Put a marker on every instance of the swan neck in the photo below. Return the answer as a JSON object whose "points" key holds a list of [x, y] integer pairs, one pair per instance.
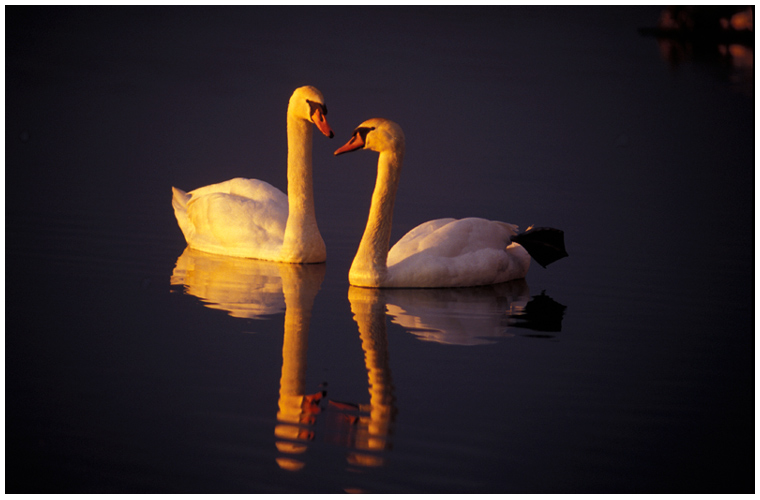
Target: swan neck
{"points": [[302, 241], [300, 182], [370, 264]]}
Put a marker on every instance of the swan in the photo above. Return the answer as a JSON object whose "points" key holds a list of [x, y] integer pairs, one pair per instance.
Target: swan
{"points": [[438, 253], [251, 218]]}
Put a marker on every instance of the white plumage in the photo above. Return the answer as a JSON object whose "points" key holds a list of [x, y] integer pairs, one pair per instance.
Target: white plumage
{"points": [[251, 218], [456, 252], [435, 254]]}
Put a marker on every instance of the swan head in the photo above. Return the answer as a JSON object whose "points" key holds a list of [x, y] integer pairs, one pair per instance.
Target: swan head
{"points": [[376, 134], [308, 104]]}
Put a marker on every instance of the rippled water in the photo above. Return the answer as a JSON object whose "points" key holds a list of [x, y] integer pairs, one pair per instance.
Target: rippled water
{"points": [[136, 365]]}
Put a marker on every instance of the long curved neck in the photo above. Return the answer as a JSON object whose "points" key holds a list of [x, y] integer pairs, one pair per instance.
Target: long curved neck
{"points": [[370, 263], [302, 241]]}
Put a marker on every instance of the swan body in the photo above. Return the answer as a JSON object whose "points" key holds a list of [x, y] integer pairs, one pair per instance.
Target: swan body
{"points": [[251, 218], [436, 254], [456, 252]]}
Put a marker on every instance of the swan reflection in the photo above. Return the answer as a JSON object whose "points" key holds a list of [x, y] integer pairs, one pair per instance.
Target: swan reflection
{"points": [[297, 410], [255, 289], [366, 428], [462, 316], [245, 288], [473, 316]]}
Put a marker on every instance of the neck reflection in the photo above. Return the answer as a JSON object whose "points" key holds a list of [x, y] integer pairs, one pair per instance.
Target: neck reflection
{"points": [[367, 428], [256, 289], [297, 410]]}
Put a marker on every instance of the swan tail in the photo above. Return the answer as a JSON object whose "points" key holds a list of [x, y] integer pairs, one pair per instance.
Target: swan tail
{"points": [[180, 200]]}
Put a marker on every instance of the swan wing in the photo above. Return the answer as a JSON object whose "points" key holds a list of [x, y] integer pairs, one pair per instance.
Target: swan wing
{"points": [[457, 252], [419, 237], [239, 217], [253, 189]]}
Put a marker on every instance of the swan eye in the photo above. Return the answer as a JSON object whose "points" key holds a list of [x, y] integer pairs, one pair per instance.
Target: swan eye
{"points": [[363, 131], [313, 106]]}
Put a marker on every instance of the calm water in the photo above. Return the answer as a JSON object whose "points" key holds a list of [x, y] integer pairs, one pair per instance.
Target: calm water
{"points": [[134, 365]]}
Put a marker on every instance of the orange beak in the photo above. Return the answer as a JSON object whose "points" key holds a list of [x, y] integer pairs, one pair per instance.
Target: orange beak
{"points": [[356, 142], [321, 122]]}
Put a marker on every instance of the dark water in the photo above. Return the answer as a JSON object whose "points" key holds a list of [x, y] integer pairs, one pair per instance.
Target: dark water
{"points": [[135, 366]]}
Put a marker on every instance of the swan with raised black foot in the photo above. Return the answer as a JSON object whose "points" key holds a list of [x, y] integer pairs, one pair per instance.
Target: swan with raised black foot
{"points": [[442, 252]]}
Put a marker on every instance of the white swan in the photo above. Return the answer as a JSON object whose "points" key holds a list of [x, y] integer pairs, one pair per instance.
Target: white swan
{"points": [[435, 254], [251, 218]]}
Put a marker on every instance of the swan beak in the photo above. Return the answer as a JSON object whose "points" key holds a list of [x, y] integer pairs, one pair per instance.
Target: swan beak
{"points": [[356, 142], [321, 122]]}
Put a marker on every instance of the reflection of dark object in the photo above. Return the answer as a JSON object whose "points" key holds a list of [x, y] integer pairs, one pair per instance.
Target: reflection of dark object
{"points": [[544, 244], [542, 314], [720, 38], [702, 24]]}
